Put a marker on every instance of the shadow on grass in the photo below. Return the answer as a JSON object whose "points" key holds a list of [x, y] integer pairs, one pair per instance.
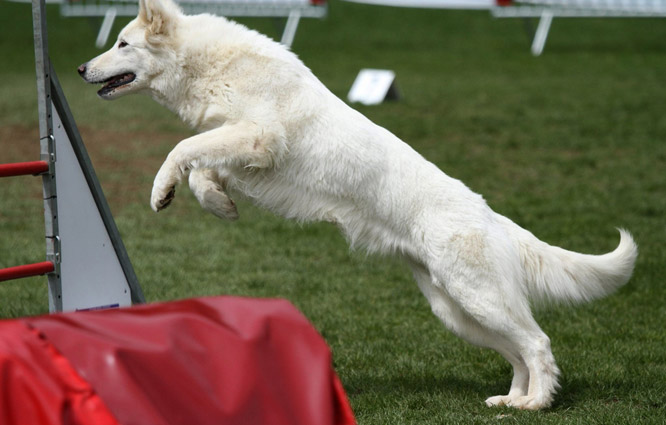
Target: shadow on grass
{"points": [[596, 48], [448, 386], [580, 393], [575, 394]]}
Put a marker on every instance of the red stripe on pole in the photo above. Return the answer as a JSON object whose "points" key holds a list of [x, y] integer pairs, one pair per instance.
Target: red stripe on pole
{"points": [[26, 270], [23, 168]]}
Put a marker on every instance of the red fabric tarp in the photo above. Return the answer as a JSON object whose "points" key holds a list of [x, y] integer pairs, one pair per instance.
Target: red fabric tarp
{"points": [[220, 360]]}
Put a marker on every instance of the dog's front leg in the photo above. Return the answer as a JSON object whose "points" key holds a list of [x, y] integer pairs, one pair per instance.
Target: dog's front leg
{"points": [[243, 144]]}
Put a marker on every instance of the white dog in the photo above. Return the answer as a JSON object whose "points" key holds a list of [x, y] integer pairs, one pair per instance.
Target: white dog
{"points": [[270, 130]]}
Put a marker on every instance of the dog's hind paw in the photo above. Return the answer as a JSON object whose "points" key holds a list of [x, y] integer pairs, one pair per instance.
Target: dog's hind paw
{"points": [[531, 403], [499, 400], [522, 402]]}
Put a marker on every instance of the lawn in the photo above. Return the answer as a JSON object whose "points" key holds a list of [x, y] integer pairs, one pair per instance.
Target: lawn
{"points": [[569, 145]]}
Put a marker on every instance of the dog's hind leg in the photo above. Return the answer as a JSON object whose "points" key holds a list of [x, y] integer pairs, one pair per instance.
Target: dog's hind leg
{"points": [[466, 327], [509, 328], [543, 371], [485, 314], [210, 191]]}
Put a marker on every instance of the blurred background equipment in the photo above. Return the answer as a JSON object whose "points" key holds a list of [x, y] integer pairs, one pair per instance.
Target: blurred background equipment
{"points": [[546, 10], [293, 10]]}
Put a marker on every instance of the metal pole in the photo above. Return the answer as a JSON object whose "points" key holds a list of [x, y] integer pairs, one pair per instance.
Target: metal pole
{"points": [[47, 150]]}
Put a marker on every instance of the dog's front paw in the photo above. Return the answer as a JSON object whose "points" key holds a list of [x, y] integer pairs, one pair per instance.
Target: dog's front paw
{"points": [[160, 200], [210, 190], [164, 187], [217, 202]]}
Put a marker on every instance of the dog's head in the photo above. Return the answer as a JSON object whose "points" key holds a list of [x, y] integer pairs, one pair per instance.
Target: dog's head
{"points": [[138, 60]]}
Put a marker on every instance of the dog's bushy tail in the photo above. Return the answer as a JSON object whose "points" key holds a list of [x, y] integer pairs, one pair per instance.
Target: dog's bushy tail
{"points": [[555, 274]]}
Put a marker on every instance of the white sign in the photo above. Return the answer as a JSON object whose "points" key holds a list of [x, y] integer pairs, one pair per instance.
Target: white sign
{"points": [[373, 86]]}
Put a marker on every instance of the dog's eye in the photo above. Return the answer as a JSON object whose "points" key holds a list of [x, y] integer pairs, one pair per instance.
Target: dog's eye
{"points": [[122, 44]]}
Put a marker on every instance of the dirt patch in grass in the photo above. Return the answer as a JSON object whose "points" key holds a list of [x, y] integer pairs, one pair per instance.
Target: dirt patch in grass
{"points": [[125, 161]]}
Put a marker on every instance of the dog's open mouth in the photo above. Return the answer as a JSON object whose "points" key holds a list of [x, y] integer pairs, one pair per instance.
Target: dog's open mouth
{"points": [[114, 82]]}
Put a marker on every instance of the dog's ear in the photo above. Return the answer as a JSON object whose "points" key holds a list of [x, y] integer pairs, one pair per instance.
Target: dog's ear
{"points": [[159, 15]]}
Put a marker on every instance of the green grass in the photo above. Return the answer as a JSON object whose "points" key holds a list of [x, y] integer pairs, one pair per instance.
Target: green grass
{"points": [[570, 145]]}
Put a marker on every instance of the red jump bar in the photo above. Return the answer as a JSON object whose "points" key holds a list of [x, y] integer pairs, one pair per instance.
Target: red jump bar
{"points": [[27, 270], [23, 168]]}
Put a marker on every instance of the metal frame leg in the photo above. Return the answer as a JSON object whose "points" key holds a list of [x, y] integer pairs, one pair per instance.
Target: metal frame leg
{"points": [[105, 29], [541, 34], [290, 27]]}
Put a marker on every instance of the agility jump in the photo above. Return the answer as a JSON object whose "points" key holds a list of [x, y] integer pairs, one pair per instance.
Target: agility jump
{"points": [[86, 262]]}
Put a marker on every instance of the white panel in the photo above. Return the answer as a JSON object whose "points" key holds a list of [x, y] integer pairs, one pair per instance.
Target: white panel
{"points": [[433, 4], [91, 273]]}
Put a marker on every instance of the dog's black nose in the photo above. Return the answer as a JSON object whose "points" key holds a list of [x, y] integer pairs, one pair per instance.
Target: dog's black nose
{"points": [[82, 69]]}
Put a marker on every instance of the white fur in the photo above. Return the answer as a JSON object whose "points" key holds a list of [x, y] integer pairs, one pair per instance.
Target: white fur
{"points": [[270, 130]]}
